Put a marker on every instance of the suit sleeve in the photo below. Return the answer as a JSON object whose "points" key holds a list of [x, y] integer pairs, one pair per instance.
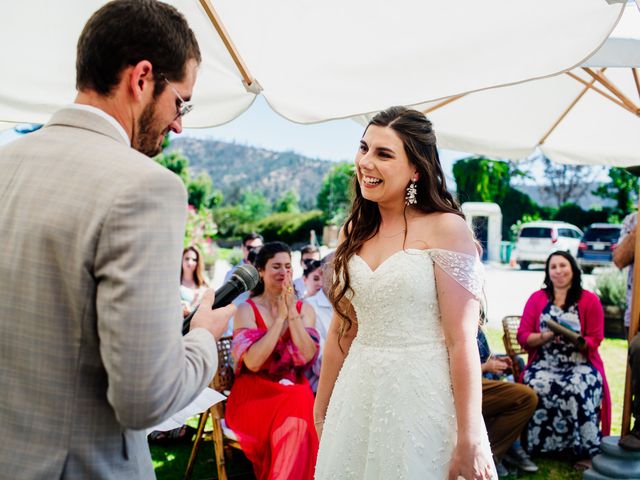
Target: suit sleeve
{"points": [[153, 371]]}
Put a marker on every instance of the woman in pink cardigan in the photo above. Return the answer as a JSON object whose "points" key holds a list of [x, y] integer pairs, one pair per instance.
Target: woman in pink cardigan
{"points": [[570, 382]]}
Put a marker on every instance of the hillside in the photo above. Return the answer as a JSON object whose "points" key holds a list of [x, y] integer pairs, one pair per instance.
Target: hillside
{"points": [[234, 167]]}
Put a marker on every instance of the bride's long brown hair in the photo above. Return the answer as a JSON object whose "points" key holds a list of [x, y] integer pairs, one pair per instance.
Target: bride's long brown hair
{"points": [[419, 140]]}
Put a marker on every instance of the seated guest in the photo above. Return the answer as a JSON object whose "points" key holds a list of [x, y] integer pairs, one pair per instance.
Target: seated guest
{"points": [[251, 243], [324, 311], [307, 254], [312, 277], [506, 409], [192, 279], [270, 406], [570, 382]]}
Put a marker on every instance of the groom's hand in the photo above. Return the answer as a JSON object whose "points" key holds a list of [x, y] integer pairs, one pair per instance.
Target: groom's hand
{"points": [[215, 321]]}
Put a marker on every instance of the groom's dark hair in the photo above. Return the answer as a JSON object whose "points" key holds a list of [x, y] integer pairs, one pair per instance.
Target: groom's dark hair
{"points": [[125, 32]]}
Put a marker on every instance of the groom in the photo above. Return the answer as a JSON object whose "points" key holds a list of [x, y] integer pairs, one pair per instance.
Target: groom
{"points": [[91, 352]]}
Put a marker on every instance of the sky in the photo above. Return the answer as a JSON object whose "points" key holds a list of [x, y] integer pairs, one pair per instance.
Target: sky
{"points": [[334, 140]]}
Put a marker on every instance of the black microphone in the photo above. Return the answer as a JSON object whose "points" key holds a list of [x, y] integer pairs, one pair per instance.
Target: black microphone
{"points": [[243, 279]]}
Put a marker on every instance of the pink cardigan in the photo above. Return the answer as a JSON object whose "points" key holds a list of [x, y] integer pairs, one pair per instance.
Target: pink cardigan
{"points": [[592, 328]]}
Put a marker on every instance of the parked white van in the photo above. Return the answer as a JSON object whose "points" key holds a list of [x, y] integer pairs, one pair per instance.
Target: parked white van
{"points": [[537, 240]]}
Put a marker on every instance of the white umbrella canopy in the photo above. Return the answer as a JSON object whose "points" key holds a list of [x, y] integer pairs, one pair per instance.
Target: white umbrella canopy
{"points": [[319, 60], [513, 121]]}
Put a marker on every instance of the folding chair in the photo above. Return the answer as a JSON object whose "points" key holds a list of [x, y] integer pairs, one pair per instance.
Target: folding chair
{"points": [[513, 349], [223, 438]]}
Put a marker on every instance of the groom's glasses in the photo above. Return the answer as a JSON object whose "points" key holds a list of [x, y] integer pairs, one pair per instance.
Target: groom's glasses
{"points": [[183, 106]]}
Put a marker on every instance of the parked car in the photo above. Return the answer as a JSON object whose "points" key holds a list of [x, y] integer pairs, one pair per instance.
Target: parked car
{"points": [[537, 240], [597, 245]]}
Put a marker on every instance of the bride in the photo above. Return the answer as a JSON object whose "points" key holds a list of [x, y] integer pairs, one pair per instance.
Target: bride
{"points": [[400, 389]]}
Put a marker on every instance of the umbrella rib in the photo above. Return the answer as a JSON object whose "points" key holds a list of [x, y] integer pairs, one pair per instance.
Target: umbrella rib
{"points": [[599, 76], [231, 48], [564, 114], [600, 91], [443, 103]]}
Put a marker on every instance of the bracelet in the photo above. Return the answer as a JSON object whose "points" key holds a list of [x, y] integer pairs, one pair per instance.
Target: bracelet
{"points": [[319, 422]]}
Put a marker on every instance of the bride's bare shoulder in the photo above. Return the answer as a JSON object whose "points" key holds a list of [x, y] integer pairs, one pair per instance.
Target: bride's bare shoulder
{"points": [[448, 231]]}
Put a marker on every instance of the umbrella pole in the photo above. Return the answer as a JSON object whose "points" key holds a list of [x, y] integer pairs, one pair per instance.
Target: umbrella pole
{"points": [[633, 330], [248, 80]]}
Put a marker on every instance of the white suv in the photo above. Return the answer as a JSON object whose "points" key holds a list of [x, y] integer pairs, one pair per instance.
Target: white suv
{"points": [[537, 240]]}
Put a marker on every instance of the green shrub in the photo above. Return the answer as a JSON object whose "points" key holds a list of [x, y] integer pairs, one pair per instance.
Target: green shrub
{"points": [[290, 227], [574, 214], [611, 287]]}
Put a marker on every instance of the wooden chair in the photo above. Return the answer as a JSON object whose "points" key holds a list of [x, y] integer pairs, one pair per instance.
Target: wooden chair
{"points": [[222, 438], [513, 349]]}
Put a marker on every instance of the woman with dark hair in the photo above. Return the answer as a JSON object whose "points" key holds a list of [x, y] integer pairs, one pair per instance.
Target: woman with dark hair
{"points": [[402, 343], [312, 277], [270, 407], [570, 381]]}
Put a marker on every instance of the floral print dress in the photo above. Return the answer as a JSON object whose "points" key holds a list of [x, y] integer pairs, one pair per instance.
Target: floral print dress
{"points": [[570, 391]]}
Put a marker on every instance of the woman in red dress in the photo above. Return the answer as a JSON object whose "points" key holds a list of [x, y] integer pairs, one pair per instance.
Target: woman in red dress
{"points": [[270, 407]]}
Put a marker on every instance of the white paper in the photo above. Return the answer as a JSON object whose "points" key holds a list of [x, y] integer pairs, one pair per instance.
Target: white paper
{"points": [[202, 402]]}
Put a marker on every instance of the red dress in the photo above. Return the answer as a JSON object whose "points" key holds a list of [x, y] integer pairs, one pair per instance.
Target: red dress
{"points": [[271, 411]]}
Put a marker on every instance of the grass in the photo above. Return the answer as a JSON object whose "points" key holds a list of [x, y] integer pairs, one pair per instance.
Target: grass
{"points": [[170, 462]]}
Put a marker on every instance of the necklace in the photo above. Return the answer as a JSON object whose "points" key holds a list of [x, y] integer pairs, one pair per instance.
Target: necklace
{"points": [[393, 235]]}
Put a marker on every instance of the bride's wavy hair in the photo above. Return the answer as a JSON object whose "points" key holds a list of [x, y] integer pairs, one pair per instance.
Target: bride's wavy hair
{"points": [[419, 140]]}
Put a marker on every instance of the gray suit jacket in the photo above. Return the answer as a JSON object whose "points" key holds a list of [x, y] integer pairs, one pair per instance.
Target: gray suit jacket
{"points": [[91, 353]]}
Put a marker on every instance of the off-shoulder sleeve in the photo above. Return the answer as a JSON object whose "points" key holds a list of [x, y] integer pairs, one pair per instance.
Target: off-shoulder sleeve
{"points": [[465, 269], [243, 338]]}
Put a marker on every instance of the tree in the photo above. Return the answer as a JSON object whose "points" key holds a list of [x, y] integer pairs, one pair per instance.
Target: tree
{"points": [[176, 162], [481, 179], [622, 188], [334, 197], [567, 182], [200, 190], [287, 203], [254, 205]]}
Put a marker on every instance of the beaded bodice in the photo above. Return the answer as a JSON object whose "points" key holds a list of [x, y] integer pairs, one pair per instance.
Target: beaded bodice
{"points": [[397, 304]]}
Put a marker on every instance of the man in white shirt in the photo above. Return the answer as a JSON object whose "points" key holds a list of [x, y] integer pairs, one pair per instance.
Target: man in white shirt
{"points": [[307, 253]]}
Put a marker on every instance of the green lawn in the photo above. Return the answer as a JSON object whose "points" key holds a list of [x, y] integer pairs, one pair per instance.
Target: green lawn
{"points": [[170, 462]]}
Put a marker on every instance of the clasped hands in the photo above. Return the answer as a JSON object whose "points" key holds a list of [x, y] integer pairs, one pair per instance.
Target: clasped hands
{"points": [[284, 310]]}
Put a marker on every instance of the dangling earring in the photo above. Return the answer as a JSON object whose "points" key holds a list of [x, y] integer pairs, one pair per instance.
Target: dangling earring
{"points": [[410, 197]]}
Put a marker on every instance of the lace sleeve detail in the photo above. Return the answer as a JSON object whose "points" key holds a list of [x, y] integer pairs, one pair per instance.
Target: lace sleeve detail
{"points": [[465, 269]]}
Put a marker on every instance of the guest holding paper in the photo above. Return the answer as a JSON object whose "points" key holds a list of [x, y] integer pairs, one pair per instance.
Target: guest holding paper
{"points": [[570, 381], [270, 407]]}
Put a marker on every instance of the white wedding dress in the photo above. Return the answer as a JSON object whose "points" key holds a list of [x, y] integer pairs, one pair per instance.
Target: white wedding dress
{"points": [[391, 414]]}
